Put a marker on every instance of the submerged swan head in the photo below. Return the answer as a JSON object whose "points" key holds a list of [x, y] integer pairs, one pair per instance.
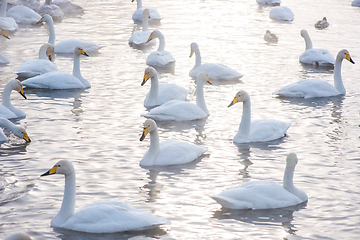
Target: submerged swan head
{"points": [[240, 96], [193, 48], [2, 31], [149, 73], [64, 167], [149, 126], [291, 160], [344, 54]]}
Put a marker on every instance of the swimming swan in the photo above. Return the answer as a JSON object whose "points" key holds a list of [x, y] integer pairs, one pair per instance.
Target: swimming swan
{"points": [[315, 56], [265, 194], [69, 8], [97, 217], [7, 23], [23, 15], [177, 110], [4, 59], [139, 38], [34, 67], [160, 94], [215, 71], [7, 110], [269, 2], [52, 9], [261, 130], [355, 3], [168, 152], [310, 88], [321, 24], [20, 132], [281, 14], [138, 14], [61, 80], [66, 46], [160, 57], [33, 4], [270, 37]]}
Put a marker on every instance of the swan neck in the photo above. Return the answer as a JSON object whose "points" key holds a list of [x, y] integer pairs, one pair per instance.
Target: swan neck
{"points": [[161, 42], [51, 32], [5, 100], [76, 67], [308, 42], [154, 148], [154, 89], [139, 4], [197, 58], [244, 128], [338, 83], [68, 204], [145, 22], [42, 53], [3, 8], [288, 179], [200, 99], [6, 124]]}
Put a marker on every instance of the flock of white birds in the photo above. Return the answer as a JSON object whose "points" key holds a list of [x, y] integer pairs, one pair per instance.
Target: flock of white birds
{"points": [[165, 102]]}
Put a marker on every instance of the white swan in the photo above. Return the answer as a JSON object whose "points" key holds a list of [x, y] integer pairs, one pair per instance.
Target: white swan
{"points": [[315, 56], [281, 13], [161, 93], [34, 67], [7, 110], [177, 110], [321, 24], [61, 80], [4, 59], [20, 132], [139, 38], [33, 4], [97, 217], [23, 15], [355, 3], [265, 194], [138, 14], [261, 130], [215, 71], [67, 46], [269, 2], [168, 152], [69, 8], [7, 23], [53, 10], [270, 37], [310, 88], [18, 236], [160, 57]]}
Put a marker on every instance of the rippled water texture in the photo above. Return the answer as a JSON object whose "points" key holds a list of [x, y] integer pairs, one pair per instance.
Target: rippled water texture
{"points": [[99, 129]]}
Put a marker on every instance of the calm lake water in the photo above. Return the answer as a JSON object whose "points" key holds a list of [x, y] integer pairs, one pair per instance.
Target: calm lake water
{"points": [[98, 129]]}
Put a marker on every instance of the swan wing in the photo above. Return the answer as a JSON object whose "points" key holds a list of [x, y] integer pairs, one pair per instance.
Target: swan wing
{"points": [[316, 55], [68, 46], [8, 23], [216, 72], [263, 130], [167, 92], [54, 80], [23, 15], [35, 67], [140, 38], [160, 59]]}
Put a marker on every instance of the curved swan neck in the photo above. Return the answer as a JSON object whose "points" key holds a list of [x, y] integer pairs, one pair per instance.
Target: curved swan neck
{"points": [[288, 179], [244, 128], [161, 38], [197, 58], [154, 88], [51, 31], [337, 75], [76, 66], [7, 124], [42, 53], [3, 8], [200, 99], [6, 96], [307, 41]]}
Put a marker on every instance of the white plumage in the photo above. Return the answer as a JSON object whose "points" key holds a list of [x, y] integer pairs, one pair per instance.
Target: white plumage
{"points": [[281, 13], [138, 14], [23, 15], [269, 2], [159, 58], [7, 23], [140, 38], [7, 110], [18, 131], [53, 10]]}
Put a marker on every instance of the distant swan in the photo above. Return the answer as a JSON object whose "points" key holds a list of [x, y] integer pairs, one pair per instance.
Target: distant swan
{"points": [[270, 37], [4, 59], [215, 71], [69, 8], [34, 67], [23, 15], [7, 23], [61, 80], [176, 110], [281, 13], [355, 3], [139, 38], [97, 217], [7, 110], [261, 130], [20, 132], [67, 46], [168, 152], [310, 88], [52, 9], [321, 24], [269, 2], [33, 4], [138, 14], [265, 194], [163, 92], [160, 57], [315, 56]]}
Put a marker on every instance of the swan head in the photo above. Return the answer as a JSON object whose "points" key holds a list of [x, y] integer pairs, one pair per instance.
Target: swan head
{"points": [[304, 33], [240, 96], [20, 132], [46, 18], [193, 48], [344, 54], [146, 13], [203, 77], [149, 126], [17, 86], [155, 34], [2, 31], [49, 49], [149, 73], [80, 51], [291, 160], [64, 167]]}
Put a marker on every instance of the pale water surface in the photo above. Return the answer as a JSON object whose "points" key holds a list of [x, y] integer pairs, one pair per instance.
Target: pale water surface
{"points": [[99, 129]]}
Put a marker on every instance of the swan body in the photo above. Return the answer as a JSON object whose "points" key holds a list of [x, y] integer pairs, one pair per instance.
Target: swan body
{"points": [[355, 3], [7, 23], [281, 13], [18, 236], [215, 71], [321, 24], [161, 57], [139, 38], [265, 194], [315, 56], [20, 132], [35, 67], [67, 46], [161, 93], [69, 8], [176, 110], [310, 88], [33, 4], [7, 110], [23, 15], [270, 37], [61, 80], [97, 217], [261, 130], [138, 14], [167, 152], [53, 10], [269, 2]]}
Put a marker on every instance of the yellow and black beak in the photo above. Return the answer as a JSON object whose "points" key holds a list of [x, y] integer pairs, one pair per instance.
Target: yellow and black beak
{"points": [[191, 53], [50, 56], [82, 51], [26, 137], [349, 58], [40, 21], [146, 77], [50, 172], [235, 100], [22, 92], [5, 35], [208, 80], [145, 132], [150, 38]]}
